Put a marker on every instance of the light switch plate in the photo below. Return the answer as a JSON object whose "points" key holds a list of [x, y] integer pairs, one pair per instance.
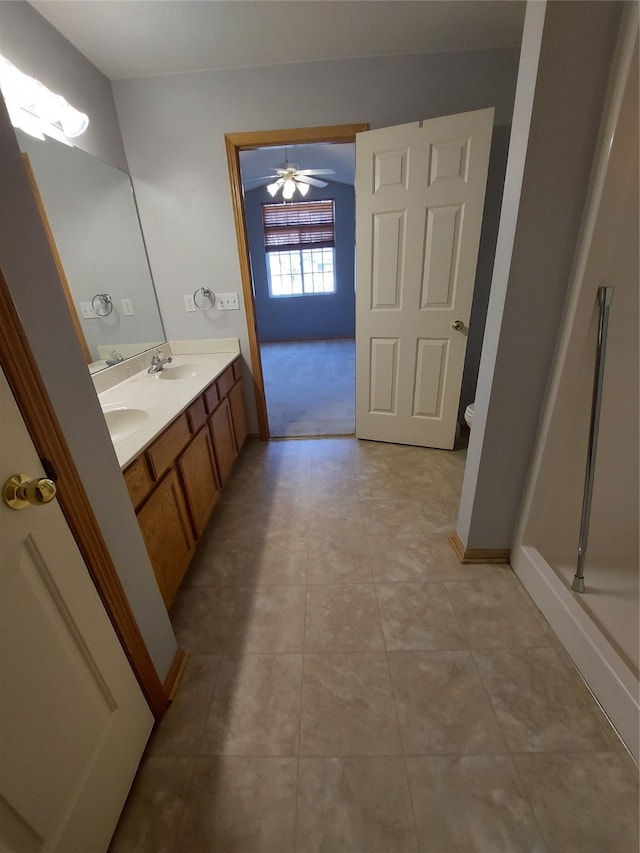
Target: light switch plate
{"points": [[227, 301], [189, 304], [127, 307], [87, 311]]}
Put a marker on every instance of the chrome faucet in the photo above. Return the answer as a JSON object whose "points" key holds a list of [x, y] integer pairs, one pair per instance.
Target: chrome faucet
{"points": [[158, 362], [114, 358]]}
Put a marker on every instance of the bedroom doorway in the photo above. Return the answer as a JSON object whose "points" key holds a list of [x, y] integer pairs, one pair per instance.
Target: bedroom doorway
{"points": [[289, 363], [300, 217]]}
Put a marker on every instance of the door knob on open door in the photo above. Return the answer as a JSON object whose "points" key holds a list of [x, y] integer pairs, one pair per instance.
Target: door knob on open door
{"points": [[457, 325], [21, 491]]}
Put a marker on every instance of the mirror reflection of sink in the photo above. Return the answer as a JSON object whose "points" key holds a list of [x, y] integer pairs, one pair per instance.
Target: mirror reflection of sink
{"points": [[177, 371], [123, 422]]}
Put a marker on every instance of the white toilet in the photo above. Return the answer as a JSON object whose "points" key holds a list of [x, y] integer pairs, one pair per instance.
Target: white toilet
{"points": [[468, 414]]}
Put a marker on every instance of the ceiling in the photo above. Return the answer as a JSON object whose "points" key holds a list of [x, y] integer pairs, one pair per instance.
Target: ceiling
{"points": [[137, 38], [258, 163]]}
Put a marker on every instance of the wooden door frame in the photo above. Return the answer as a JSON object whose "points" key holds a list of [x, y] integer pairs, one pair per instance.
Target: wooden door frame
{"points": [[27, 386], [249, 141]]}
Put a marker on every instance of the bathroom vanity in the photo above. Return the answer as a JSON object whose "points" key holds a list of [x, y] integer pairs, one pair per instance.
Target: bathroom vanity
{"points": [[177, 435]]}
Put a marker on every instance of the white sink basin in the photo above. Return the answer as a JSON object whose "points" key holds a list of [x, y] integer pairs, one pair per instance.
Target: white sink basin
{"points": [[123, 422], [177, 371]]}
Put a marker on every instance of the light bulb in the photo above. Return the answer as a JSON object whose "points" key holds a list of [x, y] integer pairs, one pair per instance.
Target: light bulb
{"points": [[47, 109], [24, 120], [72, 121]]}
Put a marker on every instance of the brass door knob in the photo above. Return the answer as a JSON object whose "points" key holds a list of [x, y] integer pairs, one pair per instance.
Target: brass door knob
{"points": [[21, 491], [457, 325]]}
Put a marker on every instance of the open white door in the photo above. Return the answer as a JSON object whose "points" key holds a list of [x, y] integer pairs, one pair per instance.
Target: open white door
{"points": [[419, 202], [73, 720]]}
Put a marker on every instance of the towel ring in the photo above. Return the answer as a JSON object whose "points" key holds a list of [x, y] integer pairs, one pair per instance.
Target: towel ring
{"points": [[206, 294], [105, 302]]}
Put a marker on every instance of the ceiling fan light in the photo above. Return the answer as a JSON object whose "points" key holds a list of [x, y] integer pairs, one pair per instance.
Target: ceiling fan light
{"points": [[288, 189], [303, 189], [272, 189]]}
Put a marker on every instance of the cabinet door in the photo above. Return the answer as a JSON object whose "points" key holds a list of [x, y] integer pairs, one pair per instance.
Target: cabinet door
{"points": [[166, 530], [224, 445], [238, 414], [198, 473], [138, 480]]}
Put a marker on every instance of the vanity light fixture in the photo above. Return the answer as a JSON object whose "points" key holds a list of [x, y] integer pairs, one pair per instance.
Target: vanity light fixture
{"points": [[37, 110]]}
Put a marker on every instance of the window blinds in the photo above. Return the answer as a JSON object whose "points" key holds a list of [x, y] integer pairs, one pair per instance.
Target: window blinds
{"points": [[298, 225]]}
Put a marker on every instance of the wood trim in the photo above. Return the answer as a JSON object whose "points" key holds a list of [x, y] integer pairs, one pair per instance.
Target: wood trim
{"points": [[174, 676], [233, 161], [25, 381], [35, 189], [296, 136], [235, 143], [478, 555]]}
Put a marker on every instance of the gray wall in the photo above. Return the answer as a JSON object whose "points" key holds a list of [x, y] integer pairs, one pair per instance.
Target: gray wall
{"points": [[326, 315], [28, 268], [527, 302], [31, 43], [173, 128]]}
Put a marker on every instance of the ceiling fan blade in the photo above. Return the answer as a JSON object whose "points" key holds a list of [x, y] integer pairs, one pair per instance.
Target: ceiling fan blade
{"points": [[262, 178], [316, 172], [305, 179]]}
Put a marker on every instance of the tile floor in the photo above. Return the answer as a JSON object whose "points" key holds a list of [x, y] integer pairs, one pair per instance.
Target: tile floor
{"points": [[310, 387], [351, 688]]}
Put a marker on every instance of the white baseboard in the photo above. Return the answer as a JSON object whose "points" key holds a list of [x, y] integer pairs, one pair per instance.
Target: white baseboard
{"points": [[608, 676]]}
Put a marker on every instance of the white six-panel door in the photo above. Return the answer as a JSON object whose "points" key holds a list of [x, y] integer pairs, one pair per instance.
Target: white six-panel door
{"points": [[419, 202], [73, 720]]}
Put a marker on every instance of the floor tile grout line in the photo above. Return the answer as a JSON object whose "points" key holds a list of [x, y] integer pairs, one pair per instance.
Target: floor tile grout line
{"points": [[304, 641], [397, 718], [176, 847], [402, 743], [523, 789], [210, 705]]}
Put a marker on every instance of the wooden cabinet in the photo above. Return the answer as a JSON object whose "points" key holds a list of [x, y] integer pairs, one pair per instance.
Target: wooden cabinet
{"points": [[175, 483], [238, 414], [199, 479], [164, 450], [166, 530], [138, 480], [224, 444]]}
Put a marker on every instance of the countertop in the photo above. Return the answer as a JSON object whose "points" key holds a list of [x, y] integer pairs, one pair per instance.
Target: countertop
{"points": [[161, 396]]}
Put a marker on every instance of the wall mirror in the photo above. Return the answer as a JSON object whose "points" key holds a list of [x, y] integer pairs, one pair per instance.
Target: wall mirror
{"points": [[93, 219]]}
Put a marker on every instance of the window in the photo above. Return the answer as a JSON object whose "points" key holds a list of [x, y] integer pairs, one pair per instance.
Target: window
{"points": [[299, 247]]}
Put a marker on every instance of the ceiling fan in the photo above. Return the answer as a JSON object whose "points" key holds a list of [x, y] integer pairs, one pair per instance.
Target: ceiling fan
{"points": [[289, 177]]}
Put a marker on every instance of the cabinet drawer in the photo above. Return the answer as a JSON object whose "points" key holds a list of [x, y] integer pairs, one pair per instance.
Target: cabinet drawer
{"points": [[138, 480], [167, 447], [225, 382], [197, 415], [211, 398], [237, 369]]}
